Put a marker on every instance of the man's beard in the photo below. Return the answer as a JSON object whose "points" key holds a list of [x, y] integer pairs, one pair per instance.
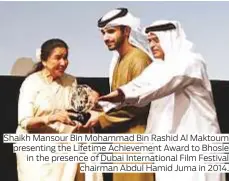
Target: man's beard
{"points": [[117, 44]]}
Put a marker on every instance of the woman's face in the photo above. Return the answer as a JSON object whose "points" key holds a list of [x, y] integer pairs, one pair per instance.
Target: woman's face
{"points": [[57, 62]]}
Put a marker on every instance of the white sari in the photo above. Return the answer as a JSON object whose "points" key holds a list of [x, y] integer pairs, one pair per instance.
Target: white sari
{"points": [[39, 98]]}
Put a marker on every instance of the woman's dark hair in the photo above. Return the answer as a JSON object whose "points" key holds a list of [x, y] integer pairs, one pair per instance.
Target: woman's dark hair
{"points": [[46, 50]]}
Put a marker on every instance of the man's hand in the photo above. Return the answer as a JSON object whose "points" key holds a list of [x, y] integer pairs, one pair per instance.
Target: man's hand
{"points": [[115, 96], [93, 97], [94, 119]]}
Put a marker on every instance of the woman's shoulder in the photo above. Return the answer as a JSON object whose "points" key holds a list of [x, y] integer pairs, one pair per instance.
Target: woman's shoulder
{"points": [[32, 81], [32, 78]]}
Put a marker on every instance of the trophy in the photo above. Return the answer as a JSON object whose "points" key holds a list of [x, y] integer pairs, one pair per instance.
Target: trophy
{"points": [[81, 104]]}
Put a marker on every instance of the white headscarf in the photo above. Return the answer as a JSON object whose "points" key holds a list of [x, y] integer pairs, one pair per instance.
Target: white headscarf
{"points": [[136, 38], [177, 49], [174, 42]]}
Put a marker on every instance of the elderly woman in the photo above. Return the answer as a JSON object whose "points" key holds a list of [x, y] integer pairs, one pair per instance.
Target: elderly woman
{"points": [[45, 95]]}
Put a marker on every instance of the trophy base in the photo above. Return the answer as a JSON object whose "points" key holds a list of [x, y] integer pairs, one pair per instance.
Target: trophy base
{"points": [[81, 117]]}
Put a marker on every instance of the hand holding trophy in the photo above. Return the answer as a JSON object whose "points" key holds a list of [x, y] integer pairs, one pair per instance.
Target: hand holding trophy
{"points": [[82, 101]]}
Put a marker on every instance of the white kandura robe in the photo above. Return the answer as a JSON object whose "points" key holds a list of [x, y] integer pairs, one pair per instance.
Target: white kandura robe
{"points": [[182, 102]]}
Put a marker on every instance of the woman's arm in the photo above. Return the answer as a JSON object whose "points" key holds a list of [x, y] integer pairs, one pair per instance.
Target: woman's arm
{"points": [[26, 118]]}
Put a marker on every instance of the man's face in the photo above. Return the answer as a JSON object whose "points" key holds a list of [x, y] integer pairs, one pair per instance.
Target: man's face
{"points": [[113, 37], [155, 46]]}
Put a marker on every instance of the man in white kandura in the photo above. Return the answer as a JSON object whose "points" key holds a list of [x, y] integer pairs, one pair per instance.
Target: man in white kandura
{"points": [[178, 86]]}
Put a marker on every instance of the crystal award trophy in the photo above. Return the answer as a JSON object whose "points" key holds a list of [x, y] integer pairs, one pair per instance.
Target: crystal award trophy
{"points": [[81, 104]]}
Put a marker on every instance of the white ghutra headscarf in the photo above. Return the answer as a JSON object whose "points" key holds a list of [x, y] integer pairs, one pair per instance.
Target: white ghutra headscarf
{"points": [[177, 48], [172, 38]]}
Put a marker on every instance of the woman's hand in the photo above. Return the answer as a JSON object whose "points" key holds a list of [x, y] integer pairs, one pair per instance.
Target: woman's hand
{"points": [[60, 116]]}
